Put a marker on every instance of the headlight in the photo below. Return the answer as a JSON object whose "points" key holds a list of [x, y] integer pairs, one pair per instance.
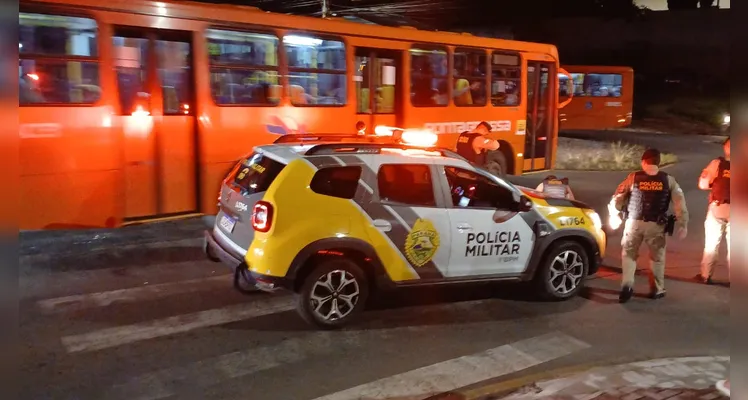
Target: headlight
{"points": [[726, 119], [595, 217]]}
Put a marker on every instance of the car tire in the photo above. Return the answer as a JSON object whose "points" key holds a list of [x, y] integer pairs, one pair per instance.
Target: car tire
{"points": [[563, 271], [349, 298], [496, 163]]}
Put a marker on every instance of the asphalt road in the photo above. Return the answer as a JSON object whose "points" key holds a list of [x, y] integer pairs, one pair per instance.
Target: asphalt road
{"points": [[128, 315]]}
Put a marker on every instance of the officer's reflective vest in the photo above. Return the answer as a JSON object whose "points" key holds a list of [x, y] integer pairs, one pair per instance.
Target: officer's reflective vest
{"points": [[465, 148], [555, 187], [721, 184], [650, 197]]}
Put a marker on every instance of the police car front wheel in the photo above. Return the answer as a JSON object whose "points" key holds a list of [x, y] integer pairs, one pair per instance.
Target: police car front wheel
{"points": [[333, 293], [563, 271]]}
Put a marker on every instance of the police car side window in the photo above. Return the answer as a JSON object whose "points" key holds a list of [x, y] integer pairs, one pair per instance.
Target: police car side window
{"points": [[407, 184], [472, 190], [337, 181]]}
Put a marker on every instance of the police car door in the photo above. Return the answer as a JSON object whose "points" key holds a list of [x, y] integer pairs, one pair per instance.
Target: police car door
{"points": [[412, 213], [489, 237]]}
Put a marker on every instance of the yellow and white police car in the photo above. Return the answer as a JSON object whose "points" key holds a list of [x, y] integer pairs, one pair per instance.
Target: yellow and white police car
{"points": [[332, 220]]}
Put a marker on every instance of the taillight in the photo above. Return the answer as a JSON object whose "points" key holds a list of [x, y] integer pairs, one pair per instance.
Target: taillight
{"points": [[262, 216]]}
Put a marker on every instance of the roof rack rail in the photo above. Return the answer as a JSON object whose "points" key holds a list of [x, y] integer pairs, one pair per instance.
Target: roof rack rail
{"points": [[374, 148], [291, 138]]}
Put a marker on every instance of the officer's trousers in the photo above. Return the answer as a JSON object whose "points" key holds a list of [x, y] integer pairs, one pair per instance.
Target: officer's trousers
{"points": [[716, 225], [653, 234]]}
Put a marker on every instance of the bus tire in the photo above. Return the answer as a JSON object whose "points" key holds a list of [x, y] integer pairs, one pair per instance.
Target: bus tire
{"points": [[496, 163]]}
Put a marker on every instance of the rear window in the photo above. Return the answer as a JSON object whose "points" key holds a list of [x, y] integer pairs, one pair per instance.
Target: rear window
{"points": [[336, 181], [256, 173]]}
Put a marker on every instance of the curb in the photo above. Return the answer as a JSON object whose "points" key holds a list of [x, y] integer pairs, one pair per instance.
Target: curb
{"points": [[504, 388]]}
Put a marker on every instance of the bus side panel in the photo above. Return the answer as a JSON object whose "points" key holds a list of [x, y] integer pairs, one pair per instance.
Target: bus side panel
{"points": [[597, 113], [69, 170]]}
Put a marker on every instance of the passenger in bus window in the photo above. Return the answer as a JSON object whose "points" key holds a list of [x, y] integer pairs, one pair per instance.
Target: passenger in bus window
{"points": [[423, 94], [441, 97]]}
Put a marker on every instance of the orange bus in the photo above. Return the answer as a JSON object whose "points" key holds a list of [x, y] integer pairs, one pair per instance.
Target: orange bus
{"points": [[603, 97], [133, 110]]}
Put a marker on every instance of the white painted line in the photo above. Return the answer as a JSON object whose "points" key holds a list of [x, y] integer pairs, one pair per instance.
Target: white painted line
{"points": [[116, 336], [188, 380], [130, 295], [463, 371]]}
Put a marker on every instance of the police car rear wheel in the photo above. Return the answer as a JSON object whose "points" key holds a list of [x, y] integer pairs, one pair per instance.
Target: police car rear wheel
{"points": [[563, 271], [333, 294]]}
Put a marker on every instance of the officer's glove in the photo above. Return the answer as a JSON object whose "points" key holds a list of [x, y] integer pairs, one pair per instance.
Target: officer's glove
{"points": [[682, 233]]}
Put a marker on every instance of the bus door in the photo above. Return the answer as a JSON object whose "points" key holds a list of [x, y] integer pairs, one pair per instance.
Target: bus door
{"points": [[378, 87], [156, 94], [540, 116]]}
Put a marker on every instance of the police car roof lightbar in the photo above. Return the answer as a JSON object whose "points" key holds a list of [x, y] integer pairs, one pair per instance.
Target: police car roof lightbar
{"points": [[412, 137]]}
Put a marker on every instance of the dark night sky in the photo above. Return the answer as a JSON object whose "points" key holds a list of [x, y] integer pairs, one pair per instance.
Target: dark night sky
{"points": [[445, 14]]}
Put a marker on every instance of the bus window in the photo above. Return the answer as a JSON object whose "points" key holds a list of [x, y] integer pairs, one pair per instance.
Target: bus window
{"points": [[130, 64], [603, 85], [506, 79], [428, 77], [317, 72], [243, 68], [376, 73], [58, 60], [469, 87], [578, 84], [175, 75]]}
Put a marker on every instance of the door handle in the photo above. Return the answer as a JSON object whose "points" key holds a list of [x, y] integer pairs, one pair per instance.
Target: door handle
{"points": [[382, 225], [464, 227]]}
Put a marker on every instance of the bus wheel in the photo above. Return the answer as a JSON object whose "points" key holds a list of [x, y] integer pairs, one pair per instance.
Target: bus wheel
{"points": [[496, 163]]}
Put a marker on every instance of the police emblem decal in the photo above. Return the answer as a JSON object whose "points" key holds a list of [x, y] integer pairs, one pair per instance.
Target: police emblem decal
{"points": [[421, 243]]}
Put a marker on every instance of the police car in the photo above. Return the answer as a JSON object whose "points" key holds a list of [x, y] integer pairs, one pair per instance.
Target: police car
{"points": [[333, 219]]}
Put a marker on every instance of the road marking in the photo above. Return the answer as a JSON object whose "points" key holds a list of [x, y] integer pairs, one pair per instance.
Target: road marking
{"points": [[668, 373], [130, 295], [189, 380], [467, 370], [116, 336]]}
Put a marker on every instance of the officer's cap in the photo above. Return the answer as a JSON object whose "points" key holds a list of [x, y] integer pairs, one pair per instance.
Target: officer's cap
{"points": [[651, 156]]}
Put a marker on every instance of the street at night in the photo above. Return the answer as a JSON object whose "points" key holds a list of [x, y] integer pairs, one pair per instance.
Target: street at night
{"points": [[140, 313]]}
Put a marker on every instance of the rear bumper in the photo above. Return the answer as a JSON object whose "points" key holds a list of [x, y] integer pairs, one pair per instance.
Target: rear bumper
{"points": [[215, 252], [269, 283]]}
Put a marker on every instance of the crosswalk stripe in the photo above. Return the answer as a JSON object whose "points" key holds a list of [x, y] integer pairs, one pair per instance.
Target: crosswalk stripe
{"points": [[129, 295], [119, 335], [189, 379], [467, 370]]}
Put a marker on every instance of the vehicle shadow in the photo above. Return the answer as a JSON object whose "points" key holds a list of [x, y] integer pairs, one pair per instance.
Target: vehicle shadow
{"points": [[433, 306]]}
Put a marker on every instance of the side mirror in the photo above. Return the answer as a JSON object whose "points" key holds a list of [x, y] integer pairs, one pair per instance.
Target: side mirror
{"points": [[525, 204]]}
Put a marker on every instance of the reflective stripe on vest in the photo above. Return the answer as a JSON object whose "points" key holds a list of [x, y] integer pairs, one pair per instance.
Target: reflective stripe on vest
{"points": [[650, 197]]}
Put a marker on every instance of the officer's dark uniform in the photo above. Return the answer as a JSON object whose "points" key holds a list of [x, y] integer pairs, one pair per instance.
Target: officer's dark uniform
{"points": [[555, 187], [465, 147], [645, 196], [716, 178]]}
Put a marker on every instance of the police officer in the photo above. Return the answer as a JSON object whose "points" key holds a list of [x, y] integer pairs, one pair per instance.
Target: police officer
{"points": [[474, 144], [555, 187], [716, 178], [644, 197]]}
